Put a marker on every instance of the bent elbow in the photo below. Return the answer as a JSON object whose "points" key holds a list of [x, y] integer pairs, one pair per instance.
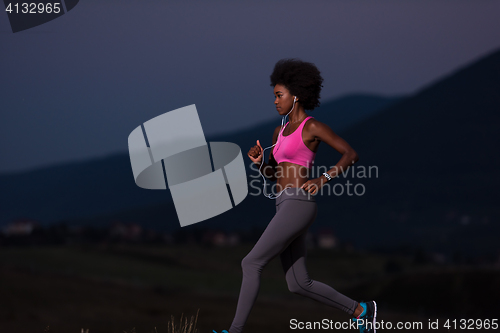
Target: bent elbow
{"points": [[354, 157]]}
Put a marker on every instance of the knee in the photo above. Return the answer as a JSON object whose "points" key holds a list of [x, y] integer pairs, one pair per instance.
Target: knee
{"points": [[297, 287], [247, 263], [294, 288]]}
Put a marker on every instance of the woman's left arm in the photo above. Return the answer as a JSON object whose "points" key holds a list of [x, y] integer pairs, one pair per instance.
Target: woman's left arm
{"points": [[323, 132]]}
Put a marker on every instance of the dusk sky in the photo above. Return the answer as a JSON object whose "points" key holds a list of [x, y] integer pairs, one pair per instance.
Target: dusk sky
{"points": [[75, 87]]}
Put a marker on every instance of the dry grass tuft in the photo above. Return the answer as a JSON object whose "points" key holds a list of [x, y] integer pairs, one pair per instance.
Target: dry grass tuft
{"points": [[183, 327]]}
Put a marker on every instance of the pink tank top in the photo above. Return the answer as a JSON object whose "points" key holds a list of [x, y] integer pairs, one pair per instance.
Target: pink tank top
{"points": [[291, 148]]}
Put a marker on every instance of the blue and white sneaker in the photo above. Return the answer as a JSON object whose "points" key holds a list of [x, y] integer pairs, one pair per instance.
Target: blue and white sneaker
{"points": [[368, 318]]}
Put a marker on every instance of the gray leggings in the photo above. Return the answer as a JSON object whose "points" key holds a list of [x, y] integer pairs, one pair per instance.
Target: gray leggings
{"points": [[296, 210]]}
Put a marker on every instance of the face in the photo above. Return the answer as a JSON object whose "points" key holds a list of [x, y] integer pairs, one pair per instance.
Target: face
{"points": [[283, 99]]}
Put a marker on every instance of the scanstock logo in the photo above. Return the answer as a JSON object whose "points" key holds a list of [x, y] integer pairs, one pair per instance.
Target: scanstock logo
{"points": [[205, 180], [28, 14]]}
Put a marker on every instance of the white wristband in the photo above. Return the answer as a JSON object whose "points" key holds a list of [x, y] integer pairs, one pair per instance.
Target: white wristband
{"points": [[327, 176]]}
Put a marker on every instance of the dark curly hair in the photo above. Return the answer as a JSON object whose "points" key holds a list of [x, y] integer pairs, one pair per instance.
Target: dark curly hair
{"points": [[301, 78]]}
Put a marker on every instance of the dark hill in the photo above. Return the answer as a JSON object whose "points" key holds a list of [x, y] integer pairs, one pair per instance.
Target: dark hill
{"points": [[436, 152], [105, 185], [448, 128], [437, 187]]}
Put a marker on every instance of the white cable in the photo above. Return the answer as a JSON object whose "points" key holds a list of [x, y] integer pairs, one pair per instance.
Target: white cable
{"points": [[273, 196]]}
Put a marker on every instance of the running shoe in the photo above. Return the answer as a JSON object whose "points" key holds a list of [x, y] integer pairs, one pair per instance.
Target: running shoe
{"points": [[369, 317]]}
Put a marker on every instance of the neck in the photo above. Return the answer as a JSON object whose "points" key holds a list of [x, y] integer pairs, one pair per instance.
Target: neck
{"points": [[297, 114], [298, 117]]}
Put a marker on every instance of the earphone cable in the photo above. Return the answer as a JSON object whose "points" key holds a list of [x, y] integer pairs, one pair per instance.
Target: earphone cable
{"points": [[271, 195]]}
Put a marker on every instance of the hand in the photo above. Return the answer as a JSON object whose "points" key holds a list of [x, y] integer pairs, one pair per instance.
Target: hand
{"points": [[255, 153], [313, 185]]}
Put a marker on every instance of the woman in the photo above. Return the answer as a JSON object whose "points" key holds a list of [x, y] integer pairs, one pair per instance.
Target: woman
{"points": [[297, 86]]}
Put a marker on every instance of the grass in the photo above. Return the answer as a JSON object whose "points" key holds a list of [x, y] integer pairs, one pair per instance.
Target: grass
{"points": [[107, 288], [190, 268], [182, 327]]}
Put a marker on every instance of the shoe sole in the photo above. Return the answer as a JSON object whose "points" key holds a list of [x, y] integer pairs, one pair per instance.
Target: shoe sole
{"points": [[374, 316]]}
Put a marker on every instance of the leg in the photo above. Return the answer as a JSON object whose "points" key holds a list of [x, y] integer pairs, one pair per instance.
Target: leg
{"points": [[293, 260], [290, 221]]}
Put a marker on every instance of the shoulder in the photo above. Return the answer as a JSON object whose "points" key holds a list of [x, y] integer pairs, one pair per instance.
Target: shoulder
{"points": [[315, 125], [276, 133], [316, 128]]}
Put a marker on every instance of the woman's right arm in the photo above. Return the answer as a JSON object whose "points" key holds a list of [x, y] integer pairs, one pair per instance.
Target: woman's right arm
{"points": [[272, 162], [255, 154]]}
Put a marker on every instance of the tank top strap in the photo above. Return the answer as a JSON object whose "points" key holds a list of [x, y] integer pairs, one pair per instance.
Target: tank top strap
{"points": [[283, 129], [299, 129], [303, 124]]}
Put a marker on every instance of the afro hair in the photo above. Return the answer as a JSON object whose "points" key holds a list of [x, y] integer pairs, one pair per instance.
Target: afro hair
{"points": [[301, 78]]}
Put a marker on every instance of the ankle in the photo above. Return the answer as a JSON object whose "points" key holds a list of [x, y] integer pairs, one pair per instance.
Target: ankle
{"points": [[360, 310]]}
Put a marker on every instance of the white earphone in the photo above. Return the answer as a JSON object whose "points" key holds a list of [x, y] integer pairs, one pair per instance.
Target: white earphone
{"points": [[272, 196]]}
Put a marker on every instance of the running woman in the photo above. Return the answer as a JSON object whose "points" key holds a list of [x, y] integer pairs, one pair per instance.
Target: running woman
{"points": [[297, 86]]}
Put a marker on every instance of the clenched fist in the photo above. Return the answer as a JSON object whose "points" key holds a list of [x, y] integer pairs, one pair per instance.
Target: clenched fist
{"points": [[255, 153]]}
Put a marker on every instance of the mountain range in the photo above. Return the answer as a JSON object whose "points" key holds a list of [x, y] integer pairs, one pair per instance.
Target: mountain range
{"points": [[434, 183], [106, 185]]}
